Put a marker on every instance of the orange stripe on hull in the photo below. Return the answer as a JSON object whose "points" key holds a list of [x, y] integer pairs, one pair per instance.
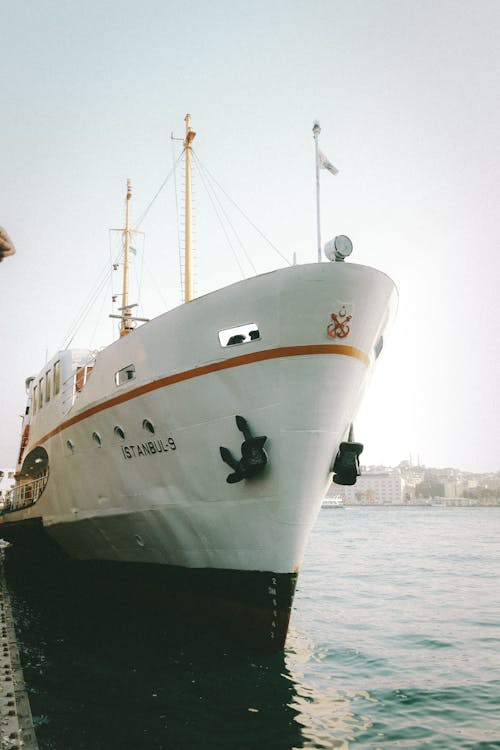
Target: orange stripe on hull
{"points": [[244, 359]]}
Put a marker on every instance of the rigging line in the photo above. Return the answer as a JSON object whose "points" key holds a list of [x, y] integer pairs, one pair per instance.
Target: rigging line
{"points": [[93, 295], [102, 274], [138, 273], [153, 278], [99, 316], [245, 216], [86, 310], [146, 211], [111, 280], [222, 226], [238, 238], [226, 216]]}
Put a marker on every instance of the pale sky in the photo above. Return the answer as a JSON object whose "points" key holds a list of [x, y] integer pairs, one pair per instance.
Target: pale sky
{"points": [[407, 94]]}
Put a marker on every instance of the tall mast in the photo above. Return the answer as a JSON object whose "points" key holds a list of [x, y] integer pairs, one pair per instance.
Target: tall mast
{"points": [[125, 325], [188, 282], [316, 132]]}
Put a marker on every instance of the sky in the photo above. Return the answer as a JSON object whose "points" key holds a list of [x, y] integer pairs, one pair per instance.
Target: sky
{"points": [[407, 95]]}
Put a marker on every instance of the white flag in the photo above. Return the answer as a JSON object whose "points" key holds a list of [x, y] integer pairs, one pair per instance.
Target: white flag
{"points": [[325, 164]]}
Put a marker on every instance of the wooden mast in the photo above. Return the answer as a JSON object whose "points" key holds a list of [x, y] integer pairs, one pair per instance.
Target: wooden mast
{"points": [[126, 324], [188, 281]]}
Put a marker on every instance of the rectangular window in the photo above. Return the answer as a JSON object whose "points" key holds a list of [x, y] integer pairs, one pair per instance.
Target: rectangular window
{"points": [[125, 374], [79, 378], [48, 380], [57, 377], [35, 397], [40, 393], [243, 334]]}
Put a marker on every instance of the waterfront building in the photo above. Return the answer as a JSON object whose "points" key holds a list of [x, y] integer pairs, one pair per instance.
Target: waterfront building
{"points": [[375, 488]]}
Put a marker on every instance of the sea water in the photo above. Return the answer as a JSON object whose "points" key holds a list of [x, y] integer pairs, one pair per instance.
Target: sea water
{"points": [[394, 643]]}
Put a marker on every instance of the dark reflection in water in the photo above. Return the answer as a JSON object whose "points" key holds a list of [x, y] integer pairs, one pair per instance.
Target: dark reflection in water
{"points": [[102, 673]]}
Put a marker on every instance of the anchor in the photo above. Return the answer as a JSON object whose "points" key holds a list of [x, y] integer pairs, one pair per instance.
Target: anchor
{"points": [[253, 456], [346, 466]]}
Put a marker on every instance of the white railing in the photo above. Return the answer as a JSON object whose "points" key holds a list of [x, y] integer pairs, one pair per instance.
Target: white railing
{"points": [[25, 494]]}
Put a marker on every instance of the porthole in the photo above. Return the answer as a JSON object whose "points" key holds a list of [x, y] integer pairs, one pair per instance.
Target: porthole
{"points": [[149, 426], [70, 445], [119, 432], [97, 439]]}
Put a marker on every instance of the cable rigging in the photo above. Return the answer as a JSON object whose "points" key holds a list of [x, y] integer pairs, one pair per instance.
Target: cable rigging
{"points": [[259, 231], [208, 180]]}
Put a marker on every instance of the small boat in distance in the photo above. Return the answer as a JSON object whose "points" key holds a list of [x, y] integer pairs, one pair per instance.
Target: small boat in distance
{"points": [[333, 501], [195, 451]]}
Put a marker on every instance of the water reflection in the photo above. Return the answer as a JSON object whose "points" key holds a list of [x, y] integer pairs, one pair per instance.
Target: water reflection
{"points": [[330, 717], [105, 673]]}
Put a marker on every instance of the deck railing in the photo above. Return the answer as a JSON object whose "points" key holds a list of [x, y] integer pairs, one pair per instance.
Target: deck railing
{"points": [[25, 494]]}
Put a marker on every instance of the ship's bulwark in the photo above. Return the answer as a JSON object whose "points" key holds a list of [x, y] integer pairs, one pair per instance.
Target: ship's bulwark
{"points": [[243, 608]]}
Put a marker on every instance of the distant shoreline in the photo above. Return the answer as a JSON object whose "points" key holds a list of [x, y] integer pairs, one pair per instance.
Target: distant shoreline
{"points": [[433, 504]]}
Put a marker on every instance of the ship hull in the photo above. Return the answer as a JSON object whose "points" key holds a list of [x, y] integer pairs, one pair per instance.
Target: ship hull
{"points": [[248, 609], [135, 470]]}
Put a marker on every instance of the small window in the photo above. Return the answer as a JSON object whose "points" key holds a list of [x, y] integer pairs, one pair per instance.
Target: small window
{"points": [[48, 380], [35, 398], [119, 432], [97, 439], [148, 426], [79, 378], [125, 374], [240, 335], [40, 394], [57, 377]]}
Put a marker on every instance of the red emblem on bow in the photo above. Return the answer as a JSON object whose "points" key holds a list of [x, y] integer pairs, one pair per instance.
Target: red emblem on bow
{"points": [[339, 329]]}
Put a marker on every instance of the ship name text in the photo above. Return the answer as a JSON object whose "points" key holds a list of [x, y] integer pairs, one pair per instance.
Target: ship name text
{"points": [[149, 448]]}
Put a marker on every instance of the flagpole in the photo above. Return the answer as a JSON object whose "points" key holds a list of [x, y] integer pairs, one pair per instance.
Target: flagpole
{"points": [[316, 132]]}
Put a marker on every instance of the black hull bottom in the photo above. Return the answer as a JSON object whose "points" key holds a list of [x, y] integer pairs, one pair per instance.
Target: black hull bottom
{"points": [[249, 608]]}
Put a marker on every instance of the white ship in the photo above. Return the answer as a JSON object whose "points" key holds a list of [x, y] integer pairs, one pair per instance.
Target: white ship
{"points": [[198, 447]]}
